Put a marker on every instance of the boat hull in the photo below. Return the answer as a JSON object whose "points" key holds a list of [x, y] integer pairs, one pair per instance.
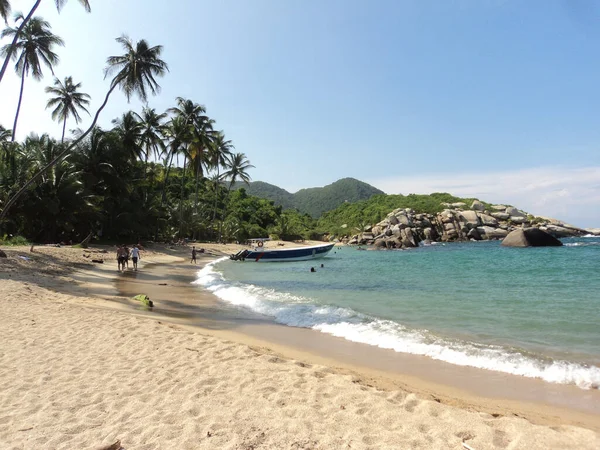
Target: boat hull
{"points": [[288, 254]]}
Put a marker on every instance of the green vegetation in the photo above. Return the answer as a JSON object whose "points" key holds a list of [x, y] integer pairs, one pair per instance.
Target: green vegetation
{"points": [[315, 201], [356, 215], [13, 240]]}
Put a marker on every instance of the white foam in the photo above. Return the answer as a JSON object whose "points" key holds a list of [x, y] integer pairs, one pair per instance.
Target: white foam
{"points": [[298, 311]]}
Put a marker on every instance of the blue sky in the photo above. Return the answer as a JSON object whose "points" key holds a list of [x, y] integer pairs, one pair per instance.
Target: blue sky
{"points": [[495, 99]]}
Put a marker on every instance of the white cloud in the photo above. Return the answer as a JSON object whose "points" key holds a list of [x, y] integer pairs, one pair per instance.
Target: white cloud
{"points": [[566, 193]]}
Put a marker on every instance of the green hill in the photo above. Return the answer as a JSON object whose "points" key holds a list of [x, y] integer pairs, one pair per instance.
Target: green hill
{"points": [[314, 201]]}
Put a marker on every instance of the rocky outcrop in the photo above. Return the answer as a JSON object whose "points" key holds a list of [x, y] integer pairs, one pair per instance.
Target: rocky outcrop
{"points": [[594, 231], [405, 228], [530, 237]]}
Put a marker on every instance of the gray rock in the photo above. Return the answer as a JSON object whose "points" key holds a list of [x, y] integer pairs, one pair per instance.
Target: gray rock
{"points": [[458, 205], [491, 232], [499, 207], [403, 219], [478, 206], [488, 220], [530, 237], [474, 234], [393, 220], [512, 211], [594, 231], [470, 218], [500, 215], [518, 219]]}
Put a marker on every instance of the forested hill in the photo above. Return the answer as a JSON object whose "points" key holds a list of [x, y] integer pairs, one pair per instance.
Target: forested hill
{"points": [[314, 201]]}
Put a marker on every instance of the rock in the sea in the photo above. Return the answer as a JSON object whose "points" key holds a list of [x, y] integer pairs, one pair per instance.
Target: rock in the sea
{"points": [[530, 237], [594, 231]]}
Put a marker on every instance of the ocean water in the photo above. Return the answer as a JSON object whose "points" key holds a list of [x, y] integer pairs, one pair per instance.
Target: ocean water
{"points": [[533, 312]]}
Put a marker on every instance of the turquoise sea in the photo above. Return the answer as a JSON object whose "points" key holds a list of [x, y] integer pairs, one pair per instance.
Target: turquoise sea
{"points": [[533, 312]]}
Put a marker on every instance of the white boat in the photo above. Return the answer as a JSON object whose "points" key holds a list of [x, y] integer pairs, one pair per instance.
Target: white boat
{"points": [[262, 254]]}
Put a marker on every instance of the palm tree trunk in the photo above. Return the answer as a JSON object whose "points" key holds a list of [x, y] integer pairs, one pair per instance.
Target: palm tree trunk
{"points": [[216, 196], [163, 196], [64, 126], [11, 49], [61, 155], [14, 130], [181, 196]]}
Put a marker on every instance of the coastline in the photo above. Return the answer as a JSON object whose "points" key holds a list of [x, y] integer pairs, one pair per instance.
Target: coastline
{"points": [[183, 309]]}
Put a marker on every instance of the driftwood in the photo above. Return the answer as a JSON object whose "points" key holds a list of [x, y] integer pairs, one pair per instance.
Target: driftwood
{"points": [[86, 241]]}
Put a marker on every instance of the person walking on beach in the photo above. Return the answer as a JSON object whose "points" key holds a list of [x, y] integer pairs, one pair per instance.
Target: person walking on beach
{"points": [[120, 258], [193, 260], [135, 256]]}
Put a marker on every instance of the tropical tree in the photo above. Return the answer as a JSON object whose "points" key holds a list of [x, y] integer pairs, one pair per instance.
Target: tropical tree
{"points": [[152, 130], [135, 73], [24, 22], [66, 101], [4, 10], [218, 155], [33, 46], [237, 167], [129, 130]]}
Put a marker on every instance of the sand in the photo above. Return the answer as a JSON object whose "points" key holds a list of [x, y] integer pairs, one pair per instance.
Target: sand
{"points": [[82, 367]]}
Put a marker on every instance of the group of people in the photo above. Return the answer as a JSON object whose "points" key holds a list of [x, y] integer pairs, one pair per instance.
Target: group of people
{"points": [[123, 255]]}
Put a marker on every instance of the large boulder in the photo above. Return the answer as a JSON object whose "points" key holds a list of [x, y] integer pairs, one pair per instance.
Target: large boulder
{"points": [[501, 215], [530, 237], [478, 206], [470, 218], [594, 231], [491, 232], [488, 220]]}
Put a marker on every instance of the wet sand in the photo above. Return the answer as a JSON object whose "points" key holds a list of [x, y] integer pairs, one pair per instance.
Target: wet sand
{"points": [[192, 306]]}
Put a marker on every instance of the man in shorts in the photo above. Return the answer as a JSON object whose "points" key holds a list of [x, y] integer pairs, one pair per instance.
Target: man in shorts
{"points": [[135, 256], [121, 257], [193, 260]]}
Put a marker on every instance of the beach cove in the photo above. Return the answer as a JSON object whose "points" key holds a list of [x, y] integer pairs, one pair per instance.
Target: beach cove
{"points": [[196, 373]]}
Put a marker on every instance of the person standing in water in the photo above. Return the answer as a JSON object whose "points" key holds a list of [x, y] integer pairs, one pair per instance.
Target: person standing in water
{"points": [[193, 260], [135, 256]]}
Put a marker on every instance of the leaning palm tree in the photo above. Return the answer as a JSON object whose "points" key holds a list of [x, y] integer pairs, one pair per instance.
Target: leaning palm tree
{"points": [[59, 5], [33, 46], [135, 73], [67, 101]]}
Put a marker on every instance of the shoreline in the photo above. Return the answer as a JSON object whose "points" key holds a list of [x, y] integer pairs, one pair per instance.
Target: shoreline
{"points": [[466, 387], [186, 310]]}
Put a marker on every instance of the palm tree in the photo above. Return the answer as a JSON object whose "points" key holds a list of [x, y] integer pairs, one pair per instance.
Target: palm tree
{"points": [[33, 46], [152, 132], [4, 10], [67, 101], [135, 73], [11, 46], [129, 130], [237, 166], [219, 154]]}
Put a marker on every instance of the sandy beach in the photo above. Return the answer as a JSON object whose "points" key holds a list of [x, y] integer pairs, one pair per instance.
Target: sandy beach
{"points": [[82, 365]]}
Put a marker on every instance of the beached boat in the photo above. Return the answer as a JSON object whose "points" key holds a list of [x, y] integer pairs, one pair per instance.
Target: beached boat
{"points": [[262, 254]]}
